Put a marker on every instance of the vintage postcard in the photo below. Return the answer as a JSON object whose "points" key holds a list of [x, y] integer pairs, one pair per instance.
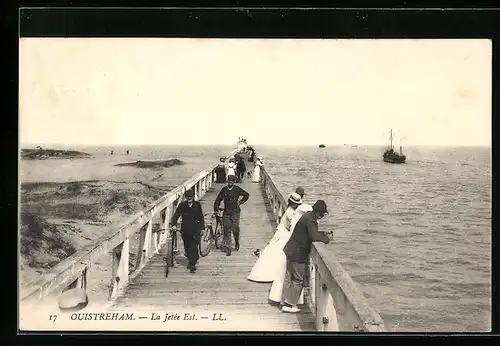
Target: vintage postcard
{"points": [[172, 184]]}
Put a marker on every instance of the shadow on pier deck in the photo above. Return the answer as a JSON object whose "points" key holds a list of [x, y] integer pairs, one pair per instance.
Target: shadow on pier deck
{"points": [[220, 285]]}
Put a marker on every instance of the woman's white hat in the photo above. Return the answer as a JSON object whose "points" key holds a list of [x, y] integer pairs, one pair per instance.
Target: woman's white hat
{"points": [[259, 158], [295, 198]]}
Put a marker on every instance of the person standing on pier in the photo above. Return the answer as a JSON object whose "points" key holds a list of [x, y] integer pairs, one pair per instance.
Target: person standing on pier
{"points": [[276, 291], [241, 168], [297, 251], [256, 170], [231, 168], [272, 261], [231, 194], [221, 171], [191, 226], [303, 208]]}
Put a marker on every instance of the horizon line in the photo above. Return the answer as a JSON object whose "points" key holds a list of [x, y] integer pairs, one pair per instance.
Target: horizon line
{"points": [[255, 144]]}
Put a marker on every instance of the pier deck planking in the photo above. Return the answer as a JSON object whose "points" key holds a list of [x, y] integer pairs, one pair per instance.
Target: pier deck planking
{"points": [[220, 285]]}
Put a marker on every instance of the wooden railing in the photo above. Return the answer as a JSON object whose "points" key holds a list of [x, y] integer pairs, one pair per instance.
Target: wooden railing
{"points": [[331, 294], [69, 273]]}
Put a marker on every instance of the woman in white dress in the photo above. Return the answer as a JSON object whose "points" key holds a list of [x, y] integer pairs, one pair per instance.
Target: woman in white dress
{"points": [[231, 167], [278, 280], [256, 170], [269, 262]]}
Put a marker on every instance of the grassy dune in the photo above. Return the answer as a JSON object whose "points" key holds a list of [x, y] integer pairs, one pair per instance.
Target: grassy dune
{"points": [[57, 219], [41, 154], [152, 164]]}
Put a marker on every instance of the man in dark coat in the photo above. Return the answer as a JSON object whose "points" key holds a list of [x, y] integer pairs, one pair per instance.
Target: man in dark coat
{"points": [[231, 217], [241, 168], [297, 251], [191, 226]]}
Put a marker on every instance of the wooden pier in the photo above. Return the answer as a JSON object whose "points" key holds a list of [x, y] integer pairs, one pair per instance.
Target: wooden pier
{"points": [[218, 297], [220, 284]]}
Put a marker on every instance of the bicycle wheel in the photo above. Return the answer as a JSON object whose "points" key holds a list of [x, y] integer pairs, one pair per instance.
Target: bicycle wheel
{"points": [[169, 255], [206, 239], [218, 236]]}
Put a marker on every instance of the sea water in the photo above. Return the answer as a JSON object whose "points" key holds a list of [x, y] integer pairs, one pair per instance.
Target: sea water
{"points": [[415, 238]]}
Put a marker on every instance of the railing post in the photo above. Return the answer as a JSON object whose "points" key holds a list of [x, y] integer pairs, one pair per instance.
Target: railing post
{"points": [[151, 244], [164, 215], [326, 316], [168, 235], [78, 282], [144, 249], [148, 241], [312, 286], [120, 268], [280, 212], [202, 187], [275, 205]]}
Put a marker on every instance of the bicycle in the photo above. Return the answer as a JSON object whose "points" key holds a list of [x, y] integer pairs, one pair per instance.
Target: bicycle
{"points": [[170, 256], [212, 234]]}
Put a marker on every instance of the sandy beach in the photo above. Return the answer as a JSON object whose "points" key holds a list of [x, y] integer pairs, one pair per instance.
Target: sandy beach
{"points": [[67, 203]]}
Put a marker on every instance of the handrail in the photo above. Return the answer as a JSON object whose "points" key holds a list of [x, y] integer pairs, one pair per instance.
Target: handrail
{"points": [[68, 272], [332, 295]]}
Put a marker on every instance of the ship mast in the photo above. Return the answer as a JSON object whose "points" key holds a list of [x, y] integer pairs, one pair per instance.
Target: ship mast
{"points": [[391, 140]]}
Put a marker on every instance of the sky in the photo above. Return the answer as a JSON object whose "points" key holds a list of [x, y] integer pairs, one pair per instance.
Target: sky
{"points": [[164, 91]]}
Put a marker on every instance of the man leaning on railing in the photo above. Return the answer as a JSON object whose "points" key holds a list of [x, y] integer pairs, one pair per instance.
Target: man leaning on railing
{"points": [[297, 251]]}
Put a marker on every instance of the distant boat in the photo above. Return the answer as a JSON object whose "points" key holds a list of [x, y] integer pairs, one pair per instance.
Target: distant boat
{"points": [[390, 156], [321, 145]]}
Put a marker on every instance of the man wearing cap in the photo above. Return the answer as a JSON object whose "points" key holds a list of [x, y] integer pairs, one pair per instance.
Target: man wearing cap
{"points": [[191, 226], [231, 216], [297, 251]]}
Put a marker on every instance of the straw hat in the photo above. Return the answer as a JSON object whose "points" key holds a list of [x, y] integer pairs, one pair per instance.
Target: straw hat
{"points": [[295, 198]]}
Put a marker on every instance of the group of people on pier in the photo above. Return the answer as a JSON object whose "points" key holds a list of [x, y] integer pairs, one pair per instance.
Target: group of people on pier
{"points": [[192, 213], [236, 167], [285, 258]]}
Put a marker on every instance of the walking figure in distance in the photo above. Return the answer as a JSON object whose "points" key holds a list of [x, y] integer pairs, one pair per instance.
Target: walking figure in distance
{"points": [[231, 217], [241, 168], [191, 226], [297, 251]]}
